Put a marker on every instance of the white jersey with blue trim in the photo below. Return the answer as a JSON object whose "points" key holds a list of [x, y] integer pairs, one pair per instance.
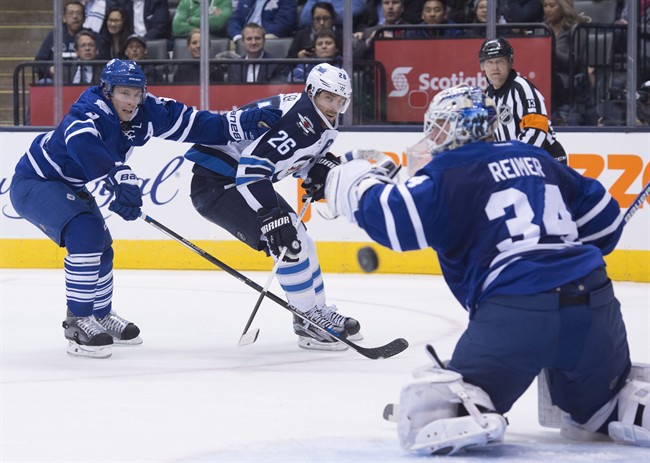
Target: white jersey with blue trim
{"points": [[91, 140], [290, 147], [503, 217]]}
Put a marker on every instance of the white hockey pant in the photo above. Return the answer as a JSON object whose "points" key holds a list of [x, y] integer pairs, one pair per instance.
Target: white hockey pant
{"points": [[428, 419]]}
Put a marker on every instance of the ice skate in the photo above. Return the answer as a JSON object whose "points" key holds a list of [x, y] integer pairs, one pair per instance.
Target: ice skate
{"points": [[87, 338], [348, 325], [310, 337], [122, 330]]}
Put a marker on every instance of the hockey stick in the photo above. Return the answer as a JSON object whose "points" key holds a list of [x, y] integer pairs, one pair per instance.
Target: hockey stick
{"points": [[637, 203], [249, 338], [388, 350]]}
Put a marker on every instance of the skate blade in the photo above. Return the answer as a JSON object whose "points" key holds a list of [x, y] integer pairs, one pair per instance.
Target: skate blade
{"points": [[128, 342], [356, 337], [96, 352], [312, 344]]}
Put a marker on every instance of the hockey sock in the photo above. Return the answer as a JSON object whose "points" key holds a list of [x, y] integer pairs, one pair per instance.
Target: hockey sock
{"points": [[104, 294], [83, 238]]}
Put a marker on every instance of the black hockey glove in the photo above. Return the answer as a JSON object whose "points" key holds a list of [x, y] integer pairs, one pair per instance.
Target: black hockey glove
{"points": [[123, 184], [250, 123], [314, 184], [276, 226]]}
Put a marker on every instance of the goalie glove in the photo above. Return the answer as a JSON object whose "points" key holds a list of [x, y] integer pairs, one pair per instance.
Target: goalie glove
{"points": [[249, 124], [346, 184], [314, 184], [122, 182], [279, 232]]}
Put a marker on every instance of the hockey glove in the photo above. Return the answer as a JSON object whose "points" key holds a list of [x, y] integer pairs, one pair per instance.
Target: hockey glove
{"points": [[249, 124], [314, 184], [279, 232], [123, 183]]}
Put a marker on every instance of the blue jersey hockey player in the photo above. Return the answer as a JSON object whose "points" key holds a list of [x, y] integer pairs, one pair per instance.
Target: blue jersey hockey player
{"points": [[232, 187], [93, 142], [520, 239]]}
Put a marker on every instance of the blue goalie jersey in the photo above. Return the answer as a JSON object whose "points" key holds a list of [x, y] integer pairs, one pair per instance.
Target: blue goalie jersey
{"points": [[503, 217]]}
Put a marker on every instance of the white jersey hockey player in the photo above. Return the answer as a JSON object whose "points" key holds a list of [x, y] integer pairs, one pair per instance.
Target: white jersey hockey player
{"points": [[520, 239], [232, 187]]}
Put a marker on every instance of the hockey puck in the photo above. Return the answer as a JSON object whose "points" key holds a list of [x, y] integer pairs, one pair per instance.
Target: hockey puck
{"points": [[368, 260]]}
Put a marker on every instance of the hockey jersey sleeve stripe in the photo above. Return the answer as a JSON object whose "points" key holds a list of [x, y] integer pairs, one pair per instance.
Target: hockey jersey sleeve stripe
{"points": [[176, 125], [34, 164], [57, 168], [391, 230], [597, 209], [246, 161], [535, 121], [90, 130], [416, 222], [188, 128], [612, 228]]}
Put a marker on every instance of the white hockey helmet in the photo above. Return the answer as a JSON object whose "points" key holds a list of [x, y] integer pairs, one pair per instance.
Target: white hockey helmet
{"points": [[324, 76], [456, 116]]}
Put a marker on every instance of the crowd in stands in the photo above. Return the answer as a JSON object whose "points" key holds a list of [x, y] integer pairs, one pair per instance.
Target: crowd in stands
{"points": [[308, 29]]}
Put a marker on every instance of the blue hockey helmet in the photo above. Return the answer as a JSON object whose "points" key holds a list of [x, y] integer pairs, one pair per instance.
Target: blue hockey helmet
{"points": [[456, 116], [122, 72]]}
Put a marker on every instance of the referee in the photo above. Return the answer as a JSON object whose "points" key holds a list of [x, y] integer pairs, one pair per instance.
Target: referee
{"points": [[521, 109]]}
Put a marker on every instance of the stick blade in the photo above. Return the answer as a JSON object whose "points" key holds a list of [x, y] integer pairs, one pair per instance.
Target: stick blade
{"points": [[248, 338]]}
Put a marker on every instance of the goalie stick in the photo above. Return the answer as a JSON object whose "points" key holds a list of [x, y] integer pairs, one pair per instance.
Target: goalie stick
{"points": [[637, 203], [249, 338], [388, 350]]}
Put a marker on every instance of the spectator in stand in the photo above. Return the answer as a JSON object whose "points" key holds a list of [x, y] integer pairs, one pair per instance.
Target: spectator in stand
{"points": [[253, 42], [560, 16], [84, 74], [116, 28], [358, 10], [73, 19], [325, 50], [188, 17], [363, 41], [520, 11], [149, 18], [135, 49], [412, 11], [323, 17], [95, 11], [434, 12], [277, 17], [478, 15], [189, 73]]}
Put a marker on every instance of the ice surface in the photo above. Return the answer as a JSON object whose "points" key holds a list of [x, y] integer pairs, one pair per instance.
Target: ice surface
{"points": [[190, 394]]}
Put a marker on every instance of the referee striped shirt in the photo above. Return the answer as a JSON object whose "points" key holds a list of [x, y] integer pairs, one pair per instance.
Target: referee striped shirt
{"points": [[522, 112]]}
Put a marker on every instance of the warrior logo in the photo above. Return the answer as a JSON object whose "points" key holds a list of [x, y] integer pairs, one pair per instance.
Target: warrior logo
{"points": [[305, 124], [505, 114], [400, 82]]}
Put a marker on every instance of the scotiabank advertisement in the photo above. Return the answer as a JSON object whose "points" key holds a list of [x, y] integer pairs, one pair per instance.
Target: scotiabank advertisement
{"points": [[418, 69]]}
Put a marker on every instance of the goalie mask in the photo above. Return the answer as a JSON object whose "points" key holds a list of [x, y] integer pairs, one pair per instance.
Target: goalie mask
{"points": [[456, 116]]}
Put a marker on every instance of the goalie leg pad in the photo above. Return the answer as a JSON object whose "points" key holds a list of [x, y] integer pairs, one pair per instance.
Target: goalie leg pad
{"points": [[448, 436], [429, 409], [633, 424]]}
